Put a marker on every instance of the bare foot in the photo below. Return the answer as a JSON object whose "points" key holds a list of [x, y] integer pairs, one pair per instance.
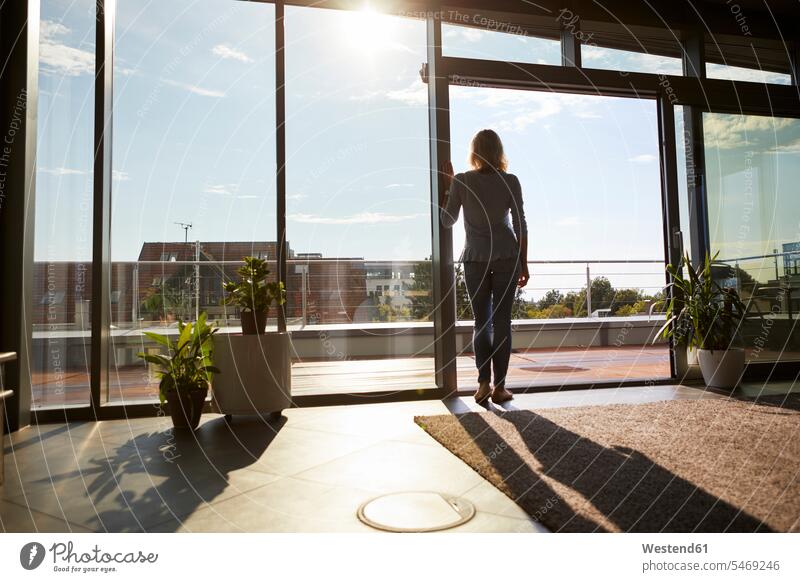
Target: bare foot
{"points": [[483, 393], [501, 395]]}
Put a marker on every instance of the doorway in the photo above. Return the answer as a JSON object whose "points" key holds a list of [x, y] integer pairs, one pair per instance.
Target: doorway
{"points": [[592, 187]]}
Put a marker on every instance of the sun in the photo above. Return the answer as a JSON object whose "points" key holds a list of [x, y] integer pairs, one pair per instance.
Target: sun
{"points": [[369, 31]]}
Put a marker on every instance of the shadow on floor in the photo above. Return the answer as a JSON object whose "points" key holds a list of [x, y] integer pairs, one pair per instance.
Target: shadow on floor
{"points": [[173, 473], [631, 490]]}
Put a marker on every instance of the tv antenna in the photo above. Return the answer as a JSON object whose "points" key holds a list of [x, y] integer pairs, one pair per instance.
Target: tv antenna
{"points": [[185, 226]]}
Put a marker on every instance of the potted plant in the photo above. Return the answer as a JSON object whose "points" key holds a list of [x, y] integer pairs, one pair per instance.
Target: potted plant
{"points": [[253, 295], [185, 370], [262, 382], [706, 316]]}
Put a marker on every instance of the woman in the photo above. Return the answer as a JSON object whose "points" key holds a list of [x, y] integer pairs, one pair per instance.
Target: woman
{"points": [[495, 253]]}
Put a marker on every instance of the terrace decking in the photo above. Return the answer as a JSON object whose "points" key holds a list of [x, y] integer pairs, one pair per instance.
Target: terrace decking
{"points": [[531, 367]]}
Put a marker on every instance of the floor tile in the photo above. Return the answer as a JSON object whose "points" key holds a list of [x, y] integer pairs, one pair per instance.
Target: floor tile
{"points": [[395, 466], [16, 518]]}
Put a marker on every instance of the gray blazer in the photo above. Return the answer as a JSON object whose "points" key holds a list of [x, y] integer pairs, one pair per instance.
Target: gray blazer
{"points": [[489, 199]]}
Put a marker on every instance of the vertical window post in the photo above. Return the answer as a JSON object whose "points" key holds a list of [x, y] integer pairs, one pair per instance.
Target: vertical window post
{"points": [[101, 227], [19, 52], [694, 66], [280, 153], [444, 296], [669, 197]]}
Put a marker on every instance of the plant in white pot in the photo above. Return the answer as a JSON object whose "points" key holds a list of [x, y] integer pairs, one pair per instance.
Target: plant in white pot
{"points": [[261, 378], [185, 370], [704, 315], [254, 295]]}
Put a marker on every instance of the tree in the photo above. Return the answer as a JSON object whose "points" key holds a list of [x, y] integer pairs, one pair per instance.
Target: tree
{"points": [[552, 297], [421, 293], [520, 308], [624, 298]]}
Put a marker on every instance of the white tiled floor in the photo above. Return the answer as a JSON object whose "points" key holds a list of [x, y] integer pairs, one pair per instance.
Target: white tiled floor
{"points": [[307, 472]]}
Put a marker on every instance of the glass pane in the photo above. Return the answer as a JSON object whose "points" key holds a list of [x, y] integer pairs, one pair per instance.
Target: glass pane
{"points": [[194, 167], [358, 202], [589, 170], [63, 245], [715, 71], [487, 38], [753, 168], [596, 57]]}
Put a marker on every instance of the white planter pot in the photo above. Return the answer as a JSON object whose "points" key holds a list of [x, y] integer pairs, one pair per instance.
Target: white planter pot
{"points": [[722, 368], [256, 373], [686, 365]]}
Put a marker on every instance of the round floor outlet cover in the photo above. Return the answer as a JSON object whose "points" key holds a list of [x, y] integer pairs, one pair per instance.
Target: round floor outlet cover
{"points": [[415, 511]]}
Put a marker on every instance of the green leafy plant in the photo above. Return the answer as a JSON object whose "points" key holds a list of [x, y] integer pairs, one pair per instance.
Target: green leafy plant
{"points": [[701, 313], [188, 364], [252, 292]]}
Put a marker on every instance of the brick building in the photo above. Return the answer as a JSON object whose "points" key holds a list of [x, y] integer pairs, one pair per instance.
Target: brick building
{"points": [[165, 283]]}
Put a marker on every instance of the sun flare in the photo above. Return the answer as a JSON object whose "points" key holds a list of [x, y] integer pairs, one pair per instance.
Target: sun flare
{"points": [[369, 31]]}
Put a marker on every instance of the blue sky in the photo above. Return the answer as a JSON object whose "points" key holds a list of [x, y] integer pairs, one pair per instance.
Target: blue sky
{"points": [[194, 136]]}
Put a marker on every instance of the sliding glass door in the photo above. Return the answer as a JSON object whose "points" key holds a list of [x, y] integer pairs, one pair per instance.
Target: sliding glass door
{"points": [[193, 170], [752, 166], [357, 203]]}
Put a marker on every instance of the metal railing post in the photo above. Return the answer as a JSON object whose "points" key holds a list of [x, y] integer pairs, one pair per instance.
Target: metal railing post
{"points": [[588, 291]]}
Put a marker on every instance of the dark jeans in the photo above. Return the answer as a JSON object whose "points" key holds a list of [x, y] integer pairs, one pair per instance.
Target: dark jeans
{"points": [[491, 288]]}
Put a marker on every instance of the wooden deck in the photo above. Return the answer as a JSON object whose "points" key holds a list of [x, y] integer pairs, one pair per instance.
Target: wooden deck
{"points": [[540, 367]]}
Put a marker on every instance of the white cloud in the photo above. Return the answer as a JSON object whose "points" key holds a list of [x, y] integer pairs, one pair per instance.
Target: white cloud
{"points": [[120, 176], [726, 132], [296, 196], [59, 58], [716, 71], [793, 147], [388, 186], [223, 189], [465, 33], [516, 110], [587, 115], [202, 91], [538, 110], [568, 221], [224, 51], [643, 159], [63, 171], [599, 57], [414, 94], [360, 218]]}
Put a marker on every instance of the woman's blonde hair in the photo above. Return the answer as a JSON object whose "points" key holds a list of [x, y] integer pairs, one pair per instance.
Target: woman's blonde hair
{"points": [[486, 152]]}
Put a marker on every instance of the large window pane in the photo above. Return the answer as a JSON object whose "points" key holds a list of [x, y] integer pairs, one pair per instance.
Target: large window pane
{"points": [[194, 166], [63, 246], [358, 202], [753, 168]]}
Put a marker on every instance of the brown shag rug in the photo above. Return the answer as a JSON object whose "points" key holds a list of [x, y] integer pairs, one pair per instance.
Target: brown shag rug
{"points": [[678, 466]]}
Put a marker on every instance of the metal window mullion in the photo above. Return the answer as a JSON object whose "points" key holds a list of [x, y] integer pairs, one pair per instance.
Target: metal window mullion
{"points": [[444, 301], [669, 197], [19, 52], [101, 227], [694, 65], [794, 62], [280, 153], [571, 45]]}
